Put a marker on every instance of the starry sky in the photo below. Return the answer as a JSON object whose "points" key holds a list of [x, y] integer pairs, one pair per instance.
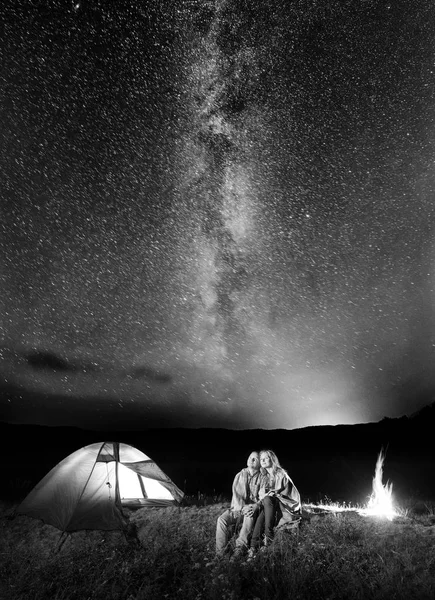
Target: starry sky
{"points": [[216, 213]]}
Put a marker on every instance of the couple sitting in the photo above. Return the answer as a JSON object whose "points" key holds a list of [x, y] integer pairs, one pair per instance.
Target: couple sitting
{"points": [[263, 495]]}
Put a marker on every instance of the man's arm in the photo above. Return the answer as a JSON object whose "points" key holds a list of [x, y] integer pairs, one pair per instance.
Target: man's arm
{"points": [[239, 492]]}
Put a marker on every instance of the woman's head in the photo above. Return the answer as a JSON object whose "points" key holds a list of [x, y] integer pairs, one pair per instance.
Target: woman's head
{"points": [[269, 460]]}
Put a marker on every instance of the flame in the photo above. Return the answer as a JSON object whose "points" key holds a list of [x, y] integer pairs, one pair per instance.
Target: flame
{"points": [[381, 500]]}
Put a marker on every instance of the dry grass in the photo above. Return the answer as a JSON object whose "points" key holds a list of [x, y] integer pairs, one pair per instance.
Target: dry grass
{"points": [[333, 556]]}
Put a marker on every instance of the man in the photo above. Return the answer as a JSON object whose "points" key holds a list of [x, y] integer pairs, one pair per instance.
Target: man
{"points": [[246, 487]]}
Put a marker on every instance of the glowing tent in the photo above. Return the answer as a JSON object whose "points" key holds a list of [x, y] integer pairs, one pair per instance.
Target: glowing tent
{"points": [[89, 488]]}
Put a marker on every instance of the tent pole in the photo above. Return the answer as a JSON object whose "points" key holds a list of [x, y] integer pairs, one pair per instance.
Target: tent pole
{"points": [[117, 495], [118, 503], [62, 539]]}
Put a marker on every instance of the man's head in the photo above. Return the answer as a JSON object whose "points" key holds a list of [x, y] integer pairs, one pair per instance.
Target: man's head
{"points": [[253, 461]]}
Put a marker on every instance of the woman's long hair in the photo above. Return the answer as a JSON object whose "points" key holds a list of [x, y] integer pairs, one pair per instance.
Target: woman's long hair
{"points": [[274, 460]]}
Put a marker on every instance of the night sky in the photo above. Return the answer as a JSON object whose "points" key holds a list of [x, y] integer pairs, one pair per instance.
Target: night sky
{"points": [[216, 213]]}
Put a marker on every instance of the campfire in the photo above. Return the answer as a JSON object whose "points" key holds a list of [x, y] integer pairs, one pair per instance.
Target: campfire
{"points": [[380, 503]]}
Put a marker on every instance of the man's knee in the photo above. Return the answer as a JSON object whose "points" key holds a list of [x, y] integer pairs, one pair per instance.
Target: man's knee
{"points": [[222, 522], [225, 519]]}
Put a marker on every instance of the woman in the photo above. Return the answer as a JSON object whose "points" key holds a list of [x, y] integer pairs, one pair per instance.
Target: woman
{"points": [[280, 501]]}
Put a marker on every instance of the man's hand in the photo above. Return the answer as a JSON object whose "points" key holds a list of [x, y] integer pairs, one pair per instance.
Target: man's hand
{"points": [[249, 510]]}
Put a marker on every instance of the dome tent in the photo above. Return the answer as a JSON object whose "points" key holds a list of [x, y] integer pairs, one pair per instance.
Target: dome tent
{"points": [[89, 488]]}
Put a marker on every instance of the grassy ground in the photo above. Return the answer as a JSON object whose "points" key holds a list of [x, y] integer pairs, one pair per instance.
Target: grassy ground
{"points": [[333, 556]]}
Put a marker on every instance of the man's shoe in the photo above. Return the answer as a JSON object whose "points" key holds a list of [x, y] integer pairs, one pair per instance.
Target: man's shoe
{"points": [[238, 553], [251, 554]]}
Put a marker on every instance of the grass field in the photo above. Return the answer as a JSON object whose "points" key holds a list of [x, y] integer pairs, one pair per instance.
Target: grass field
{"points": [[332, 556]]}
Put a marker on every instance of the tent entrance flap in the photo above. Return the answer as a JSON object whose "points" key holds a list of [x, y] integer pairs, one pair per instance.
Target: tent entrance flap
{"points": [[130, 485]]}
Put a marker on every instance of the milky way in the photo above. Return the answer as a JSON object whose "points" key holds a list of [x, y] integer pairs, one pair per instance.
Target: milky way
{"points": [[217, 213]]}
